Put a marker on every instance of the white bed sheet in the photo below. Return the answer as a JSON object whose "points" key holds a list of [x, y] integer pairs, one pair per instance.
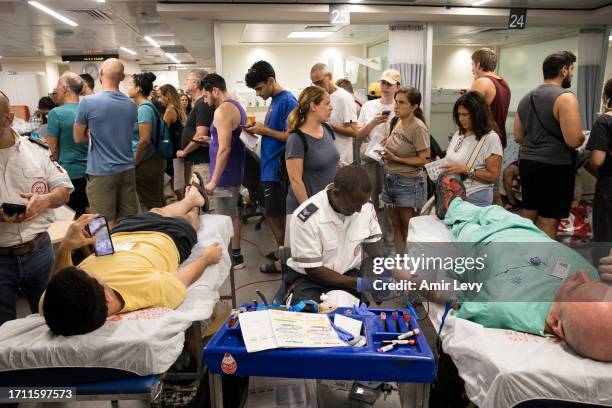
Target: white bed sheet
{"points": [[144, 342], [502, 368]]}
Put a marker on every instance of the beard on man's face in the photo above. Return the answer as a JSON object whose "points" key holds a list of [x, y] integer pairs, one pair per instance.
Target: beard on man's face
{"points": [[567, 82]]}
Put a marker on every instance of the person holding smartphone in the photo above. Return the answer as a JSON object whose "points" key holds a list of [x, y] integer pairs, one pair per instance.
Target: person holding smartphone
{"points": [[142, 270], [33, 186]]}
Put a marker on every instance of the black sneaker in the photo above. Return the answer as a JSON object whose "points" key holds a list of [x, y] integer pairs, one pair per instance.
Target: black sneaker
{"points": [[238, 262]]}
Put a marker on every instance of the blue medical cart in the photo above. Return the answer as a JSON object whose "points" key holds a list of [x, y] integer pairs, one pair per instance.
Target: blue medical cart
{"points": [[226, 354]]}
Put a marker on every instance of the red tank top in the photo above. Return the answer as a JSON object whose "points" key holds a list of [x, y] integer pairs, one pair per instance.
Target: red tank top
{"points": [[500, 105]]}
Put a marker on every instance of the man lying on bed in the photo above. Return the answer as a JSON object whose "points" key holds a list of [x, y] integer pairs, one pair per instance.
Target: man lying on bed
{"points": [[577, 309], [143, 272]]}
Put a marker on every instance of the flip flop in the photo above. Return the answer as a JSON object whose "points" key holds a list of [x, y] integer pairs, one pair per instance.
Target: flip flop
{"points": [[200, 187], [272, 256]]}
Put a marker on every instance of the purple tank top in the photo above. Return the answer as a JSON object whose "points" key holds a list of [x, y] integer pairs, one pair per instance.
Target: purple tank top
{"points": [[234, 169]]}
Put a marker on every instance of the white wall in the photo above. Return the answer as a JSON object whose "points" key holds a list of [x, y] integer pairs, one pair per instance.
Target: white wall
{"points": [[49, 69], [291, 63], [451, 69]]}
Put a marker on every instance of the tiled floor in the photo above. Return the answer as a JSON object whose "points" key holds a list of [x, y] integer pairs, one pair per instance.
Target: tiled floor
{"points": [[254, 245]]}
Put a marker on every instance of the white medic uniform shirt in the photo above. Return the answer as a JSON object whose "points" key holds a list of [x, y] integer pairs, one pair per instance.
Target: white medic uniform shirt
{"points": [[26, 167], [322, 237]]}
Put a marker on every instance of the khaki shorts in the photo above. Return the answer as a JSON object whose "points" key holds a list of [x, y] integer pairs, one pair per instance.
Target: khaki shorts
{"points": [[150, 182], [113, 196], [226, 205]]}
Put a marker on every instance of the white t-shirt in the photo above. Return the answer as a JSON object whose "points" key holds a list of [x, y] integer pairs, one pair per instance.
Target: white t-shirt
{"points": [[344, 112], [492, 145], [368, 111]]}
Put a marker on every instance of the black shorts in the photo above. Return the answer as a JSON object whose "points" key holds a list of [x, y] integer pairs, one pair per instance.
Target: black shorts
{"points": [[546, 188], [78, 198], [178, 229], [273, 197]]}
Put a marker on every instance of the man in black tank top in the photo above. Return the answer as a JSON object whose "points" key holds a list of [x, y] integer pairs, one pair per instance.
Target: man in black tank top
{"points": [[547, 126]]}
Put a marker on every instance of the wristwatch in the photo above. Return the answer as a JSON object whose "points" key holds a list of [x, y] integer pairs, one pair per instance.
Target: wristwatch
{"points": [[470, 173]]}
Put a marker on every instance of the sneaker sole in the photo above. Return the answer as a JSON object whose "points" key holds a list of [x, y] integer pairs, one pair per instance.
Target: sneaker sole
{"points": [[239, 266]]}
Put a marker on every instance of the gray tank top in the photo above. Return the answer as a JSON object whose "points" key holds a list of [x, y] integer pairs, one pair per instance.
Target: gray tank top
{"points": [[539, 144]]}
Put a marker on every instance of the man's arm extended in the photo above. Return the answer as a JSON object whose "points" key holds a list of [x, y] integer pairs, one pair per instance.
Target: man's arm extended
{"points": [[348, 129], [76, 237], [192, 272]]}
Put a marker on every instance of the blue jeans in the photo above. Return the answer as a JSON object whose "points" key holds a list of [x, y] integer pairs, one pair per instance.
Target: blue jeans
{"points": [[29, 272], [403, 191], [482, 198]]}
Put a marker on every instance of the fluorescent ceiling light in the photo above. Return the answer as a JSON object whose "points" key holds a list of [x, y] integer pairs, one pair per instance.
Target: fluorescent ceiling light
{"points": [[610, 38], [480, 3], [52, 13], [101, 1], [132, 52], [152, 41], [310, 34], [173, 58]]}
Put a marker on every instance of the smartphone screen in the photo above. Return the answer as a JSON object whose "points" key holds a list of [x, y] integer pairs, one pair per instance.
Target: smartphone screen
{"points": [[99, 229]]}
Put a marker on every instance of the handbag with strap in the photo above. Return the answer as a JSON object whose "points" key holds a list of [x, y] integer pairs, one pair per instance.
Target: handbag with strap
{"points": [[474, 155]]}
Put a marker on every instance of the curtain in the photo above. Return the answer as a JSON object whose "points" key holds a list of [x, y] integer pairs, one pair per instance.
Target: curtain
{"points": [[407, 54], [592, 54]]}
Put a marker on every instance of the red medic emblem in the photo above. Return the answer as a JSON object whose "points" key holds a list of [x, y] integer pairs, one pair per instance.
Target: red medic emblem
{"points": [[228, 364], [39, 187]]}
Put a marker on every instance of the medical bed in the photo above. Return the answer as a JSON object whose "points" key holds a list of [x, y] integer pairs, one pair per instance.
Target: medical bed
{"points": [[505, 368], [124, 358]]}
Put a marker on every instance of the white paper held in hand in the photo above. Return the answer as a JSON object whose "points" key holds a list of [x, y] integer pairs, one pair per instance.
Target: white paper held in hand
{"points": [[249, 139], [434, 168]]}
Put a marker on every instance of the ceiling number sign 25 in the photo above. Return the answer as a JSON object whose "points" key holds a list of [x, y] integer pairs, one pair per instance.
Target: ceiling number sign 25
{"points": [[518, 19], [339, 14]]}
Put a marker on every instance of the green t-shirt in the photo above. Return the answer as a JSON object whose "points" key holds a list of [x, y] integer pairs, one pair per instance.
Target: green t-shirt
{"points": [[72, 156], [516, 294], [146, 114]]}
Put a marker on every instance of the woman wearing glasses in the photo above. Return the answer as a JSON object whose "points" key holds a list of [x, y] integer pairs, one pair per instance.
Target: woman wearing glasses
{"points": [[475, 139]]}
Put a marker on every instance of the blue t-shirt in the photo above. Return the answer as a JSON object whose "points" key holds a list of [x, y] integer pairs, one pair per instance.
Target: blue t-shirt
{"points": [[276, 119], [146, 114], [110, 117], [72, 156]]}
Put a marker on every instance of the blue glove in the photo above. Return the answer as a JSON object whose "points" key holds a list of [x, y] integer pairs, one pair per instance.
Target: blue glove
{"points": [[344, 335], [362, 310]]}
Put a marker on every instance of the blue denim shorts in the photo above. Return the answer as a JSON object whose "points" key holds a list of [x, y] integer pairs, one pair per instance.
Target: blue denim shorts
{"points": [[404, 191], [481, 198]]}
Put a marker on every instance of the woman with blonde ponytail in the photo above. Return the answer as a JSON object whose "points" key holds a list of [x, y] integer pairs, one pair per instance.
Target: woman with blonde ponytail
{"points": [[310, 154], [406, 152], [600, 165]]}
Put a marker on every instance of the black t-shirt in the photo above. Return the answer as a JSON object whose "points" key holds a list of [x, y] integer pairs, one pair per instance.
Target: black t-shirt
{"points": [[201, 115], [601, 139]]}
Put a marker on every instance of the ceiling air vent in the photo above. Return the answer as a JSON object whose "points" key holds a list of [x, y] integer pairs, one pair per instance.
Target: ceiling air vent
{"points": [[89, 14]]}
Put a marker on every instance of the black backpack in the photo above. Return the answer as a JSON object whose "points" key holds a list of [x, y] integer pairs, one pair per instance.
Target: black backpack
{"points": [[283, 176]]}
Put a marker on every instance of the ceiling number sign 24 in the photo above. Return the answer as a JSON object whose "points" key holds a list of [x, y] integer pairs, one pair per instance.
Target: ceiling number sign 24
{"points": [[517, 19], [339, 14]]}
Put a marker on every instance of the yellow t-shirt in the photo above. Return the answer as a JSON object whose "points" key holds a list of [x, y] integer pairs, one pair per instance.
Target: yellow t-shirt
{"points": [[140, 270]]}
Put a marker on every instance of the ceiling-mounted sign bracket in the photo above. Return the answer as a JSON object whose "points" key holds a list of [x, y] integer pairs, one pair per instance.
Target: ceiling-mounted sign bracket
{"points": [[339, 14], [517, 19]]}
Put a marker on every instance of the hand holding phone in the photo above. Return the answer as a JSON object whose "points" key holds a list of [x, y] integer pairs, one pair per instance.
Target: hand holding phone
{"points": [[98, 228], [385, 113], [13, 209]]}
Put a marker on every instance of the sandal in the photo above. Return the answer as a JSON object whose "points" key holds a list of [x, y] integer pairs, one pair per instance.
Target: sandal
{"points": [[200, 187], [270, 268], [272, 256]]}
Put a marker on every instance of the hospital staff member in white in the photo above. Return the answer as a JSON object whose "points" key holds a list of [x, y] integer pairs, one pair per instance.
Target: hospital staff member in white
{"points": [[327, 233], [32, 179]]}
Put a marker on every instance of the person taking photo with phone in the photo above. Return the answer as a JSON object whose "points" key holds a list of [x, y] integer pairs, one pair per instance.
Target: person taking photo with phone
{"points": [[34, 185]]}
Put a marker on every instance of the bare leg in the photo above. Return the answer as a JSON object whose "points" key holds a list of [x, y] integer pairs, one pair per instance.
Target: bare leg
{"points": [[236, 238], [510, 173], [193, 200], [529, 214], [550, 226], [405, 215], [396, 222]]}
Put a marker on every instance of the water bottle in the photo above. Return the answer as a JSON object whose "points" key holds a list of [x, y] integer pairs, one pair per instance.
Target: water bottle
{"points": [[34, 125]]}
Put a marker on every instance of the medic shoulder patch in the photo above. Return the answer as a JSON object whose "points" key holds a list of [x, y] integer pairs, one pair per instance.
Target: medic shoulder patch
{"points": [[307, 212], [38, 142]]}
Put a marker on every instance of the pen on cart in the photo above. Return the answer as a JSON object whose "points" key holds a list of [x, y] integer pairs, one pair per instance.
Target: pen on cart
{"points": [[262, 297], [385, 348], [409, 334]]}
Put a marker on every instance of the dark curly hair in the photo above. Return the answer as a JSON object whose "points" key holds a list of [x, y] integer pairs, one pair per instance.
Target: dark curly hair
{"points": [[480, 114], [74, 303], [259, 72], [145, 82]]}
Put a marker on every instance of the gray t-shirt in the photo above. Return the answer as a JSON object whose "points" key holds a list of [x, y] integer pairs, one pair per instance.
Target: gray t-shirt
{"points": [[539, 144], [320, 164]]}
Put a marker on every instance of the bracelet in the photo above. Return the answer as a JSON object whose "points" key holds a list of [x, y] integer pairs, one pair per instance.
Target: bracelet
{"points": [[471, 173]]}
